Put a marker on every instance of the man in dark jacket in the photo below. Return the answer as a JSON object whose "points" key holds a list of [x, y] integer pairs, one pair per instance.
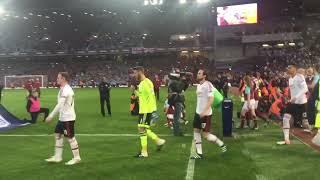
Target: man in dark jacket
{"points": [[176, 88], [104, 90]]}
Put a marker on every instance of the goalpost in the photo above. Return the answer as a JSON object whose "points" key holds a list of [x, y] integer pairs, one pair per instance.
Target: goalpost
{"points": [[18, 81]]}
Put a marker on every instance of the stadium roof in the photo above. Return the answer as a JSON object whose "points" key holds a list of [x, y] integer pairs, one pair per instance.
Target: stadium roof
{"points": [[312, 6], [79, 21]]}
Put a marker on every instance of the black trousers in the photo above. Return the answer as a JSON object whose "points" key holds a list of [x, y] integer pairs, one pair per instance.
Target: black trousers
{"points": [[104, 100], [311, 111], [178, 109], [34, 115], [157, 93]]}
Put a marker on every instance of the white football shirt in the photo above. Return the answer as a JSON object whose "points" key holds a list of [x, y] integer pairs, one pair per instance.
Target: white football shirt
{"points": [[298, 89], [65, 106], [204, 92]]}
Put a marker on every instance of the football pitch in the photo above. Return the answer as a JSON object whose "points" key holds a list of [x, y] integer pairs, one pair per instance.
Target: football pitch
{"points": [[107, 146]]}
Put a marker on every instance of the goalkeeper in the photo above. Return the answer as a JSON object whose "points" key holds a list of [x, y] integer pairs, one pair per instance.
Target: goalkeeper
{"points": [[147, 105]]}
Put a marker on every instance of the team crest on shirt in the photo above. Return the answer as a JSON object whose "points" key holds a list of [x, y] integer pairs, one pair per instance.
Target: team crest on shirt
{"points": [[3, 122], [304, 115], [203, 125]]}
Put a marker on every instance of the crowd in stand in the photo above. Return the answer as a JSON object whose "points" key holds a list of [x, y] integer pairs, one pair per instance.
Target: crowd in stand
{"points": [[270, 84], [88, 71]]}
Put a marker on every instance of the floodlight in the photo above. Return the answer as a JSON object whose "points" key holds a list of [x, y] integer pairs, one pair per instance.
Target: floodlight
{"points": [[2, 11], [292, 44], [202, 1], [182, 37], [280, 45]]}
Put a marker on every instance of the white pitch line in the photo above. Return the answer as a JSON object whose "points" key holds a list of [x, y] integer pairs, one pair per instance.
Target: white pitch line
{"points": [[303, 142], [261, 177], [238, 136], [292, 134], [191, 163], [87, 135]]}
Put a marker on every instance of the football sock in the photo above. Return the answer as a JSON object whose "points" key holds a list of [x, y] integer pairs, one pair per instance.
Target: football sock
{"points": [[170, 122], [74, 147], [248, 118], [198, 143], [152, 135], [248, 122], [306, 124], [242, 121], [286, 133], [286, 127], [255, 123], [58, 147], [144, 143], [214, 139]]}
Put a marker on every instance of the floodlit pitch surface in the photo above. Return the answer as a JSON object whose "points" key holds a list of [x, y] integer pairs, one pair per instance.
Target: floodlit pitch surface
{"points": [[107, 147]]}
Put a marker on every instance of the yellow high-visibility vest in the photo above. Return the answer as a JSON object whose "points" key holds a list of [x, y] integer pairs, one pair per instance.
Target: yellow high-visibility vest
{"points": [[317, 124], [318, 101]]}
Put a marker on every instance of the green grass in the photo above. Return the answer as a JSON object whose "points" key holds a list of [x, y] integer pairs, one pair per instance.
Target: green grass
{"points": [[252, 155]]}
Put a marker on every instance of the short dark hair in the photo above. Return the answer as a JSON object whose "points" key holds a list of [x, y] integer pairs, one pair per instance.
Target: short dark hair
{"points": [[204, 72], [293, 65], [65, 75], [139, 68]]}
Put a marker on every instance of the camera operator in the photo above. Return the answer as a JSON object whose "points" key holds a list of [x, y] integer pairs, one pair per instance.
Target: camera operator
{"points": [[178, 83], [219, 83]]}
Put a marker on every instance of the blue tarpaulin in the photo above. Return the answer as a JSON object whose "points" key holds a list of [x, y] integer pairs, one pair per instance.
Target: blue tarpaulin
{"points": [[9, 121]]}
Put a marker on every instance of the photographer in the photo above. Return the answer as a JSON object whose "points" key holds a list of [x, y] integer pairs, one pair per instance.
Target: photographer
{"points": [[178, 83]]}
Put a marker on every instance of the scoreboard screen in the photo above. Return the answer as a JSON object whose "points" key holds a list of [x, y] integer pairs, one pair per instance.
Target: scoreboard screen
{"points": [[237, 14]]}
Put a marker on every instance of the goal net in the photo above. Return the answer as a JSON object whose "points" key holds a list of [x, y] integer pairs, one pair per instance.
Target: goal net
{"points": [[17, 81]]}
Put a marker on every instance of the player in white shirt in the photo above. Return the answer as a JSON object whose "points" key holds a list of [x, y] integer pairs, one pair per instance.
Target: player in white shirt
{"points": [[297, 108], [203, 115], [65, 125]]}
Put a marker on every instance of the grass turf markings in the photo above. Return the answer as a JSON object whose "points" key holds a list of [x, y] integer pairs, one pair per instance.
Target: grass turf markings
{"points": [[191, 163]]}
